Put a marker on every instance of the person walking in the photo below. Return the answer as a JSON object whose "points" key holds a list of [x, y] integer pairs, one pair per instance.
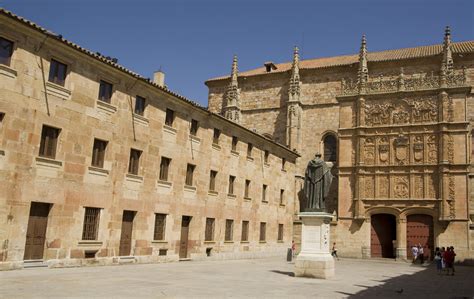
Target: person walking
{"points": [[443, 264], [448, 260], [414, 253], [453, 257], [293, 249], [334, 251], [438, 259], [421, 254]]}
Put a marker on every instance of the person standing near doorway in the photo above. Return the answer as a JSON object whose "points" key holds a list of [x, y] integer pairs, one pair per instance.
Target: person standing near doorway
{"points": [[421, 254], [438, 259], [334, 251], [414, 253]]}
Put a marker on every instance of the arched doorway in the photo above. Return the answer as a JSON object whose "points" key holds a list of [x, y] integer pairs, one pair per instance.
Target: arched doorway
{"points": [[420, 231], [383, 235], [330, 148]]}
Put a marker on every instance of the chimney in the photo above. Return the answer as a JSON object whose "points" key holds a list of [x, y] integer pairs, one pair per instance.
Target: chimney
{"points": [[159, 78]]}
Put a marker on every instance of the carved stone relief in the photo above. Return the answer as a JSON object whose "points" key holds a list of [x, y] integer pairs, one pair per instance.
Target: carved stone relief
{"points": [[401, 187], [369, 151], [418, 147], [369, 187], [418, 186], [432, 144], [450, 148], [383, 186], [401, 149], [384, 150], [432, 186]]}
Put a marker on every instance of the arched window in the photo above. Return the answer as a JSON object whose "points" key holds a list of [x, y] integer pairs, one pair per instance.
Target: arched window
{"points": [[330, 148]]}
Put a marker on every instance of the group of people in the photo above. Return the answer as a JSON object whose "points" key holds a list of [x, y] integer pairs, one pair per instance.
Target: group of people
{"points": [[444, 259], [418, 254]]}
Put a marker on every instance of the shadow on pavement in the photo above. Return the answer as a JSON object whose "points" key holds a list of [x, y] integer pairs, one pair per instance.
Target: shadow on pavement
{"points": [[283, 272]]}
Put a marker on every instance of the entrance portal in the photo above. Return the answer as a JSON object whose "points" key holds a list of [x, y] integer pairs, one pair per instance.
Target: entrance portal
{"points": [[183, 244], [126, 234], [36, 232], [420, 231], [383, 235]]}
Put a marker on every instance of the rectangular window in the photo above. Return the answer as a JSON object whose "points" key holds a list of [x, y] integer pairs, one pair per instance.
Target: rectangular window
{"points": [[6, 51], [265, 157], [229, 230], [98, 153], [49, 141], [105, 91], [283, 164], [209, 233], [235, 140], [164, 168], [139, 105], [245, 231], [160, 225], [169, 118], [91, 224], [215, 138], [231, 184], [282, 196], [194, 127], [249, 150], [57, 72], [212, 180], [134, 161], [264, 193], [263, 231], [189, 174], [280, 232], [247, 189]]}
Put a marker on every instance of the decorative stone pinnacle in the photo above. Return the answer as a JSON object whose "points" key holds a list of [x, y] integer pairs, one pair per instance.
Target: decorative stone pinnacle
{"points": [[232, 109], [234, 72], [447, 63], [295, 73], [363, 69]]}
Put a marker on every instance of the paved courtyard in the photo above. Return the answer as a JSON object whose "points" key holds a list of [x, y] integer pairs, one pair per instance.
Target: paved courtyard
{"points": [[264, 278]]}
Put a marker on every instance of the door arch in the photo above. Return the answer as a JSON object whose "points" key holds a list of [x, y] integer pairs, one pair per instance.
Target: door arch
{"points": [[382, 236], [420, 231]]}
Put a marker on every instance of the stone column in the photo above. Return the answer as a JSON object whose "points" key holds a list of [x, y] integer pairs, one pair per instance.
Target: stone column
{"points": [[401, 249]]}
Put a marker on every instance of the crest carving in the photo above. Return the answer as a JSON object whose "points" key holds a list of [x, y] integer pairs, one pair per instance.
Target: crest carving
{"points": [[384, 150], [418, 149], [401, 149], [369, 151]]}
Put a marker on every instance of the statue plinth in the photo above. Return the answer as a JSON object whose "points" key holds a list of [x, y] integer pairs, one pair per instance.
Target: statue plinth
{"points": [[315, 260]]}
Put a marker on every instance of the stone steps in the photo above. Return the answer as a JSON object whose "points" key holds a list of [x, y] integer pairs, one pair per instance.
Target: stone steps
{"points": [[31, 264]]}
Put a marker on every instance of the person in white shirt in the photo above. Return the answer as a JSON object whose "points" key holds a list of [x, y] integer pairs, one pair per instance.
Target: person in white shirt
{"points": [[414, 252]]}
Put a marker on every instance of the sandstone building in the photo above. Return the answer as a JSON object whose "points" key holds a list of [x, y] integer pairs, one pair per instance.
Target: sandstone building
{"points": [[397, 124], [99, 165]]}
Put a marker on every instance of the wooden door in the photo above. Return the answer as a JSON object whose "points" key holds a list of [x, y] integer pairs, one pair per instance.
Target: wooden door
{"points": [[126, 235], [420, 231], [383, 233], [183, 244], [36, 231]]}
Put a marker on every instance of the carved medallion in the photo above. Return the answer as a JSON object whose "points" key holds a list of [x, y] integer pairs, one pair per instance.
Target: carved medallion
{"points": [[401, 149], [432, 149], [401, 187]]}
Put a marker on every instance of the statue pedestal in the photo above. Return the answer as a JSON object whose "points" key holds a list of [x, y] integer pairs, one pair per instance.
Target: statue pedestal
{"points": [[315, 260]]}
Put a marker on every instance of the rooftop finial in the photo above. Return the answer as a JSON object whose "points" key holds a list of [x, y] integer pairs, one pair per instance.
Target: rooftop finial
{"points": [[235, 70], [447, 64], [295, 73], [363, 69]]}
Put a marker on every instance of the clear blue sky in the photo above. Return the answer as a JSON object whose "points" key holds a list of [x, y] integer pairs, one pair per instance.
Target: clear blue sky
{"points": [[194, 40]]}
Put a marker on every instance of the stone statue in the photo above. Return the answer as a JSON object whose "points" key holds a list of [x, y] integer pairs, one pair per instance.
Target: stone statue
{"points": [[317, 181]]}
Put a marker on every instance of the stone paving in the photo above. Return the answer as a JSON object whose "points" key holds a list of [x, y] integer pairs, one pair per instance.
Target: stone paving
{"points": [[262, 278]]}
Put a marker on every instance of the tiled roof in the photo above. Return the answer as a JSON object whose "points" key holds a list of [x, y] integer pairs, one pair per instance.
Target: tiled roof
{"points": [[109, 61], [397, 54]]}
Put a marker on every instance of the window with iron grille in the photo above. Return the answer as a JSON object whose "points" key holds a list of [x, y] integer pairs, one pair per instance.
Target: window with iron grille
{"points": [[212, 180], [105, 91], [169, 118], [57, 72], [264, 193], [263, 229], [229, 230], [282, 196], [91, 224], [160, 225], [6, 51], [140, 103], [231, 184], [49, 141], [98, 153], [194, 127], [209, 233], [249, 150], [247, 189], [265, 157], [189, 174], [280, 232], [164, 168], [245, 231], [215, 138], [283, 164], [134, 161], [235, 140]]}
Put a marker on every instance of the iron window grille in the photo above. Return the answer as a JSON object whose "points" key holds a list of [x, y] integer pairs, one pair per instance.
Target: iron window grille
{"points": [[91, 224], [209, 233], [245, 231], [229, 230], [49, 141], [98, 153], [160, 225]]}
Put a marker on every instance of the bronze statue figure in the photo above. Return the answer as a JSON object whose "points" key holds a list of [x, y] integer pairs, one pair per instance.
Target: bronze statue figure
{"points": [[317, 181]]}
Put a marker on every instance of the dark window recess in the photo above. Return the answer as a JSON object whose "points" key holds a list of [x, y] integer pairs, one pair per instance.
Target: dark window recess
{"points": [[235, 140], [212, 180], [160, 225], [194, 127], [134, 161], [283, 164], [90, 254], [282, 196], [330, 148], [209, 251], [57, 72], [209, 233], [2, 116], [215, 137], [91, 224], [231, 184], [229, 230], [245, 231], [189, 174], [105, 91], [280, 232], [265, 157], [164, 168], [264, 193], [263, 229], [49, 141], [140, 103], [98, 153], [6, 51], [247, 188], [249, 150], [162, 252], [169, 118]]}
